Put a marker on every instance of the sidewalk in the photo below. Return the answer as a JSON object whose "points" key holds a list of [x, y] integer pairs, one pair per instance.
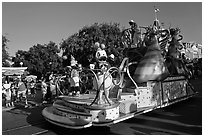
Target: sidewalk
{"points": [[7, 108]]}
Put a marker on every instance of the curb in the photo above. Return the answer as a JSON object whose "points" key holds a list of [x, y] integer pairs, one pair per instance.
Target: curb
{"points": [[7, 109]]}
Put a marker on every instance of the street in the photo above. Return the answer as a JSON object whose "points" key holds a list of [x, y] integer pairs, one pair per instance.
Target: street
{"points": [[183, 118]]}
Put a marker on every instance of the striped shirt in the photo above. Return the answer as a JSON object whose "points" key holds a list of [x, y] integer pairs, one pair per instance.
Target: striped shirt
{"points": [[130, 37]]}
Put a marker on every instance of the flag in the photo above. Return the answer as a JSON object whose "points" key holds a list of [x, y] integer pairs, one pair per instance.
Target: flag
{"points": [[156, 10]]}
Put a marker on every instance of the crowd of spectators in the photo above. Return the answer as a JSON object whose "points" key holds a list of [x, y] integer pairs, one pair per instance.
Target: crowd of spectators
{"points": [[19, 90]]}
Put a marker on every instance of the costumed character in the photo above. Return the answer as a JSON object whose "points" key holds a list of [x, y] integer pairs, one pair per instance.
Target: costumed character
{"points": [[74, 80], [101, 54], [103, 83]]}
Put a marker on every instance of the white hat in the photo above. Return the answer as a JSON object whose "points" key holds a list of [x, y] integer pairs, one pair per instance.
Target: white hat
{"points": [[131, 22], [112, 56], [73, 61], [103, 46]]}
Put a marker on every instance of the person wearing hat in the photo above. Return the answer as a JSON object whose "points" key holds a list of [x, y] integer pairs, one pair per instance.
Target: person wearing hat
{"points": [[73, 62], [74, 81], [127, 37], [111, 59], [132, 24], [135, 33]]}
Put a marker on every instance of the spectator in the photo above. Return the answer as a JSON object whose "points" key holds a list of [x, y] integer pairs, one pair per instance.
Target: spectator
{"points": [[28, 88], [7, 93], [44, 89], [51, 76], [48, 95], [53, 88], [12, 88], [32, 88], [21, 88], [111, 59]]}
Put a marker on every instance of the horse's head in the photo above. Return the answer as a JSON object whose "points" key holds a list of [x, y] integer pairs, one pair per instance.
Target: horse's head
{"points": [[150, 37], [153, 35], [174, 31], [175, 45]]}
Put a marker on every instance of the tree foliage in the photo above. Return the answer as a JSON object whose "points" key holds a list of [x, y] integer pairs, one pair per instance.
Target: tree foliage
{"points": [[81, 44], [5, 54], [40, 59]]}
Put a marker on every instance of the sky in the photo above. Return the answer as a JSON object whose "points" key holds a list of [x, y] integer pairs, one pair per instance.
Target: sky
{"points": [[27, 24]]}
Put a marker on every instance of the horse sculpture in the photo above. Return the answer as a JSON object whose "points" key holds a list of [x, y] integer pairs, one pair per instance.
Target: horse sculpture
{"points": [[174, 61], [152, 65]]}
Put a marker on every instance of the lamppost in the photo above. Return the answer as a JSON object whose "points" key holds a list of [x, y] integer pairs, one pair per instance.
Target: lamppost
{"points": [[21, 63], [50, 65]]}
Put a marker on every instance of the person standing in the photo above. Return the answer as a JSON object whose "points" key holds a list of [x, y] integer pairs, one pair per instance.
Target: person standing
{"points": [[12, 88], [48, 95], [44, 89], [7, 92], [132, 35], [32, 88], [74, 80], [22, 91]]}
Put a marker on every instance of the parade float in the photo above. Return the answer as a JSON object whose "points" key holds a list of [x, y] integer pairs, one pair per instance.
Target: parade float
{"points": [[148, 78]]}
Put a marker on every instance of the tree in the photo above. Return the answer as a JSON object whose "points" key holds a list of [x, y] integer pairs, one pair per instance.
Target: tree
{"points": [[5, 55], [82, 43], [40, 59]]}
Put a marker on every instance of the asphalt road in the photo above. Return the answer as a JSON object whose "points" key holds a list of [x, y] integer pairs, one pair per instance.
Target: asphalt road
{"points": [[183, 118]]}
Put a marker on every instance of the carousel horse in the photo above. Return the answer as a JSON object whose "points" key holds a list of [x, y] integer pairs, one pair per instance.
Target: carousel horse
{"points": [[152, 65], [174, 61]]}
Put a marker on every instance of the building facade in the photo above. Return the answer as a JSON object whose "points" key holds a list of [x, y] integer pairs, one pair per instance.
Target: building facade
{"points": [[192, 50]]}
